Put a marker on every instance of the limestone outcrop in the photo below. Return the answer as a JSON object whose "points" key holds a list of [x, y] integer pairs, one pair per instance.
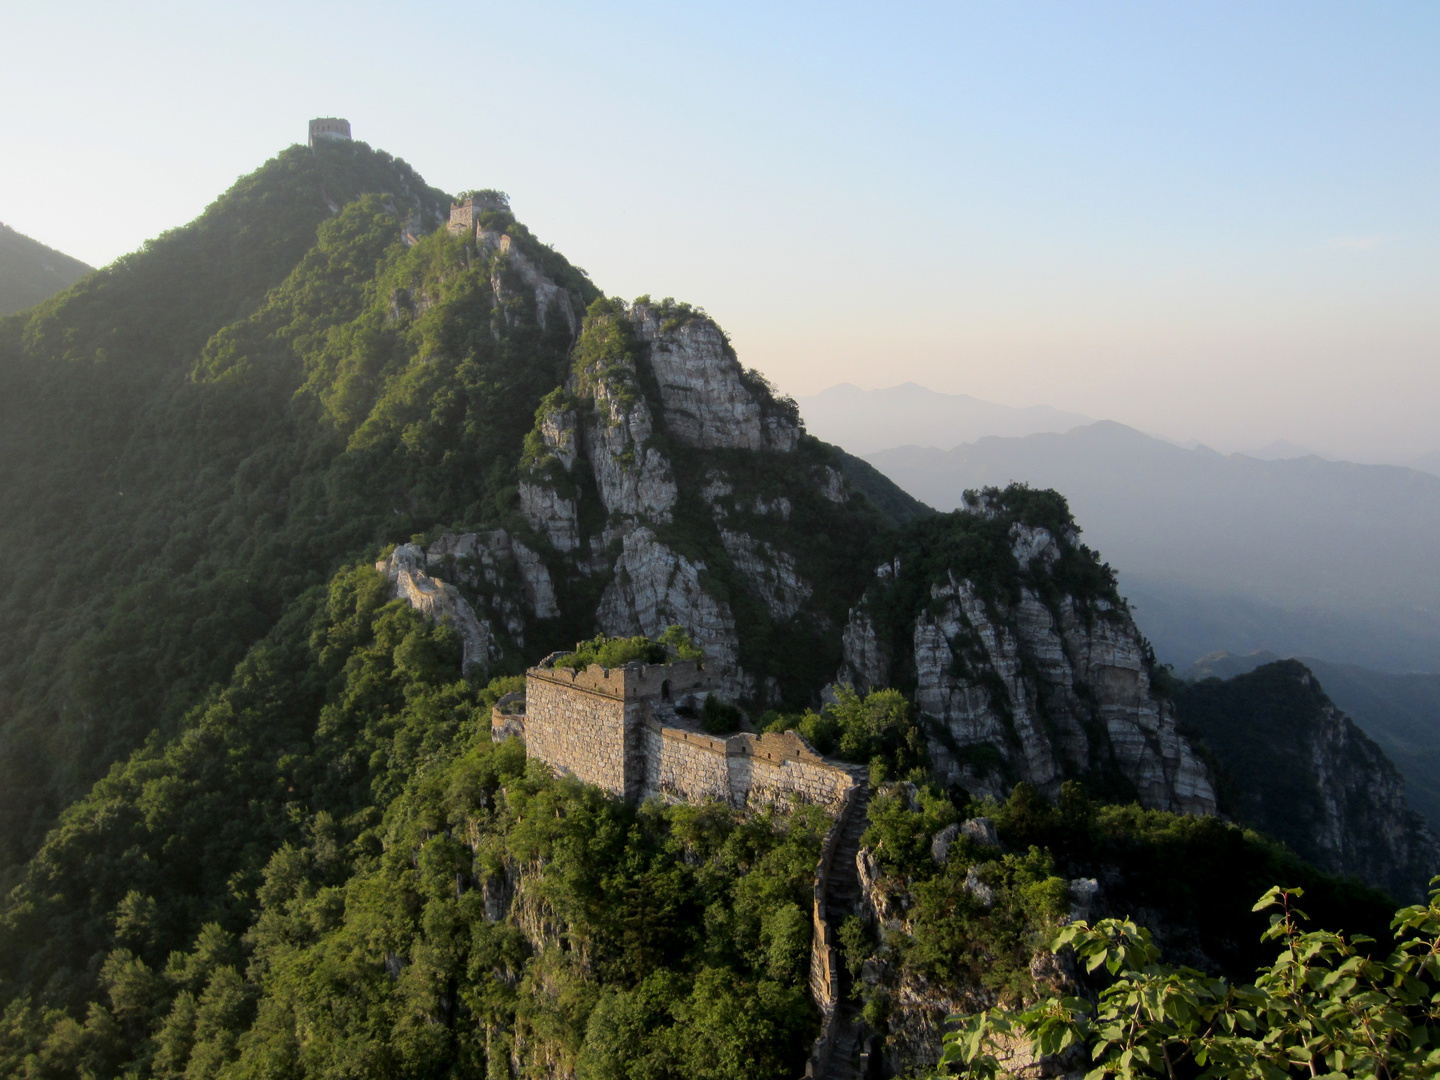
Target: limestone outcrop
{"points": [[703, 387], [1021, 680], [772, 572], [648, 380], [551, 300], [654, 587], [488, 564]]}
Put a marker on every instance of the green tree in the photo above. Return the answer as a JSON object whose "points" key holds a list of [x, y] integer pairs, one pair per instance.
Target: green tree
{"points": [[1326, 1007]]}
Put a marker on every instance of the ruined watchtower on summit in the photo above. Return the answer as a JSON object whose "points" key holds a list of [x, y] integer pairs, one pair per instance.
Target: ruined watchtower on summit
{"points": [[329, 127], [465, 213]]}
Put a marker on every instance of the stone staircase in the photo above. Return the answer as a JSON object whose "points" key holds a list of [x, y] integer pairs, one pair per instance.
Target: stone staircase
{"points": [[847, 1059]]}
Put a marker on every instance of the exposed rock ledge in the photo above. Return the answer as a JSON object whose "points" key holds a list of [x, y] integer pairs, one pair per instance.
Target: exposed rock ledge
{"points": [[1033, 691]]}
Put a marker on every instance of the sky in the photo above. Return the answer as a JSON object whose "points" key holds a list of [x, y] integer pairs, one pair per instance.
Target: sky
{"points": [[1210, 221]]}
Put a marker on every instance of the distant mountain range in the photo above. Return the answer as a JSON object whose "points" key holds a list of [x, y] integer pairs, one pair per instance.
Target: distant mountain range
{"points": [[1427, 462], [1400, 712], [31, 272], [1301, 556], [867, 421], [864, 421]]}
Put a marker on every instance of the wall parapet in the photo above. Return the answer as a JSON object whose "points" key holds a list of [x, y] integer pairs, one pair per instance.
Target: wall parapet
{"points": [[631, 682]]}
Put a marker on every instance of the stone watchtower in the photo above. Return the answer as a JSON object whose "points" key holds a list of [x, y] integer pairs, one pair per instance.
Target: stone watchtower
{"points": [[631, 731], [593, 723], [329, 127], [464, 214]]}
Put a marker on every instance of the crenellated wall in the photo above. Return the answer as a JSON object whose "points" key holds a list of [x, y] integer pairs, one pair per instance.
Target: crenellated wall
{"points": [[615, 728]]}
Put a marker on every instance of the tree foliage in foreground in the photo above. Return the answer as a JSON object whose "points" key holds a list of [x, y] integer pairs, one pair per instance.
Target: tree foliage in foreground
{"points": [[1325, 1008]]}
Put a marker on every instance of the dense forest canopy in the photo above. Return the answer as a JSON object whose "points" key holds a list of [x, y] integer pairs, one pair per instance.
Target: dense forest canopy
{"points": [[204, 429]]}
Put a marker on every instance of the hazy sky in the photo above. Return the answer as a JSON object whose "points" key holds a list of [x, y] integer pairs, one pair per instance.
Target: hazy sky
{"points": [[1214, 221]]}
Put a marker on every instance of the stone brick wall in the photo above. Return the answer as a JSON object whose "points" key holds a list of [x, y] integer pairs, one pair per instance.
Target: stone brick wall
{"points": [[742, 770], [577, 730], [776, 782], [329, 127], [685, 765], [824, 943], [605, 725], [464, 214], [462, 219]]}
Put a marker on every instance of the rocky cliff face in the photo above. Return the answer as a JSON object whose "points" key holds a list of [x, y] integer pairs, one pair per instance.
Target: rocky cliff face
{"points": [[1297, 768], [702, 388], [663, 484], [662, 479], [1025, 662]]}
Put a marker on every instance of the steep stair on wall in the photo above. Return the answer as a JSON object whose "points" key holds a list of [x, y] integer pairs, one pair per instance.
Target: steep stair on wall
{"points": [[842, 899]]}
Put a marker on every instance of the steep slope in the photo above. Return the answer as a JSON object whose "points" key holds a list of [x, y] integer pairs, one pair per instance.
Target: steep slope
{"points": [[665, 484], [31, 272], [1295, 767], [295, 851], [309, 372], [336, 826], [1400, 712], [1022, 656], [959, 900], [1304, 556], [898, 507], [210, 425]]}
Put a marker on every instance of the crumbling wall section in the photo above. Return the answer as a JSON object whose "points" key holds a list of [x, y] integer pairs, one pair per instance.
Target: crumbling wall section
{"points": [[742, 770], [773, 768]]}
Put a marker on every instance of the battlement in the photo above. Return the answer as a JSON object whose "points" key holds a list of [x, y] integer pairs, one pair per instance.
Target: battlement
{"points": [[465, 214], [329, 127], [662, 683]]}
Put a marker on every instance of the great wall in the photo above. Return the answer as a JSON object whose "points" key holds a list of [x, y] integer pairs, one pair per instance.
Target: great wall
{"points": [[626, 730]]}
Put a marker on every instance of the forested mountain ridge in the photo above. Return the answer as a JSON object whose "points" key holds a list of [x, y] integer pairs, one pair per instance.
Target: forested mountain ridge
{"points": [[195, 478], [1400, 712], [30, 271], [1295, 767], [298, 802]]}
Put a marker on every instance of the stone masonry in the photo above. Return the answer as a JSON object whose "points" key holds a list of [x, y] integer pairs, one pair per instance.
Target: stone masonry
{"points": [[465, 214], [618, 728], [329, 127]]}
